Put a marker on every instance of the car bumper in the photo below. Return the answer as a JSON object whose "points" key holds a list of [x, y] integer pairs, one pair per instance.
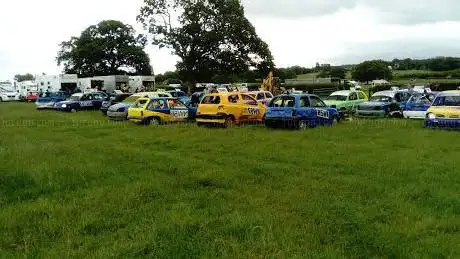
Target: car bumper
{"points": [[62, 109], [117, 115], [210, 118], [210, 121], [44, 105], [442, 123], [279, 119], [414, 114], [9, 98], [370, 114]]}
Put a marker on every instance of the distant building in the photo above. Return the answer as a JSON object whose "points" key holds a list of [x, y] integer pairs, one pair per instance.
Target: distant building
{"points": [[53, 83], [380, 82], [104, 83], [141, 83]]}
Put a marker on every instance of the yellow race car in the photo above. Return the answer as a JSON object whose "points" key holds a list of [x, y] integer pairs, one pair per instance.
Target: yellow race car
{"points": [[161, 110], [444, 111], [227, 108]]}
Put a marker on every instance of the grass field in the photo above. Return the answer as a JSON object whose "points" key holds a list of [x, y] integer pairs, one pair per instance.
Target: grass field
{"points": [[78, 186]]}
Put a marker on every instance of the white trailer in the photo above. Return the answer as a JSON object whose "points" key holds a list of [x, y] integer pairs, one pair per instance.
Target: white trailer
{"points": [[25, 87], [8, 92], [141, 84], [54, 83]]}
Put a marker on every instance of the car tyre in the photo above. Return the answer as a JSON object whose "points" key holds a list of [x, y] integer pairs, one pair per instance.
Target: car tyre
{"points": [[229, 122], [154, 121], [73, 110], [303, 124], [335, 121]]}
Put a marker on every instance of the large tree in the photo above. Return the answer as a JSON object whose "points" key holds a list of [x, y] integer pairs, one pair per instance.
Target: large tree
{"points": [[372, 70], [211, 37], [25, 77], [107, 48]]}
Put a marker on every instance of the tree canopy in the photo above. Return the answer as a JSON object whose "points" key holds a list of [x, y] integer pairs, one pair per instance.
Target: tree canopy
{"points": [[372, 70], [25, 77], [211, 37], [107, 48]]}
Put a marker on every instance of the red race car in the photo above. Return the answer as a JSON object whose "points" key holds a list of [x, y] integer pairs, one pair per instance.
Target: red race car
{"points": [[32, 96]]}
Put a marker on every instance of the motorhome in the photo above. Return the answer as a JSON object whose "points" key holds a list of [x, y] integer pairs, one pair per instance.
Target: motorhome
{"points": [[26, 87], [8, 92], [107, 84]]}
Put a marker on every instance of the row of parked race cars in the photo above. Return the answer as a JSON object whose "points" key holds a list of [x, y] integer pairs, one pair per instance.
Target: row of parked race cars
{"points": [[299, 110]]}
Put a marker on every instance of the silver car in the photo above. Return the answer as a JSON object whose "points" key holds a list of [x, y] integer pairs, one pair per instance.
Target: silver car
{"points": [[119, 111]]}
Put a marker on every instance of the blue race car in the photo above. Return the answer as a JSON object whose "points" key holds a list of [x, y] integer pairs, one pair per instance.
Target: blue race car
{"points": [[300, 111], [82, 101], [383, 104], [48, 99], [417, 105]]}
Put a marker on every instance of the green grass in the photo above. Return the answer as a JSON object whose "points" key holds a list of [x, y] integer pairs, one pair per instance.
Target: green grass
{"points": [[77, 186], [307, 76], [396, 75]]}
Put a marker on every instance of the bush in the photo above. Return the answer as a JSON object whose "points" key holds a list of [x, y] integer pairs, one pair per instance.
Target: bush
{"points": [[310, 87], [430, 75]]}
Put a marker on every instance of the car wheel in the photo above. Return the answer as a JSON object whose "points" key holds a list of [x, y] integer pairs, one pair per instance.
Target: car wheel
{"points": [[229, 122], [73, 110], [302, 125], [154, 121], [335, 121], [200, 124]]}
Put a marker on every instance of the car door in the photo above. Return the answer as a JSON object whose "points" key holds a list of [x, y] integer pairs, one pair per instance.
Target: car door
{"points": [[136, 110], [304, 110], [289, 104], [275, 108], [419, 104], [98, 98], [86, 102], [321, 112], [178, 110], [250, 108], [352, 101]]}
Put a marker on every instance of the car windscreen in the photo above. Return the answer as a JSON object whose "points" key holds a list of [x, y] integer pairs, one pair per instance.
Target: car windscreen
{"points": [[121, 97], [131, 99], [177, 94], [380, 98], [337, 98], [75, 98], [447, 100]]}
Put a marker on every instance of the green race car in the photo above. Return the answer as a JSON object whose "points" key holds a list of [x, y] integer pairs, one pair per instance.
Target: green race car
{"points": [[346, 100]]}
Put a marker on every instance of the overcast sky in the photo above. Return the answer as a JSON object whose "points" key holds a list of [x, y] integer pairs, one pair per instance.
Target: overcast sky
{"points": [[299, 32]]}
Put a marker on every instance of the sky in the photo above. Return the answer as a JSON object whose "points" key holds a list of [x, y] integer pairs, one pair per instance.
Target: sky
{"points": [[299, 32]]}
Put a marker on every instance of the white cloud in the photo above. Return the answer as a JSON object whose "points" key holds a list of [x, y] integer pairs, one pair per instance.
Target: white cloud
{"points": [[389, 11], [323, 31]]}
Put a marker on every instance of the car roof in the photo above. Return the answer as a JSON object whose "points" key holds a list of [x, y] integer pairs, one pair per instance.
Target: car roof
{"points": [[389, 93], [342, 92], [298, 95], [226, 93], [450, 93], [150, 93]]}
